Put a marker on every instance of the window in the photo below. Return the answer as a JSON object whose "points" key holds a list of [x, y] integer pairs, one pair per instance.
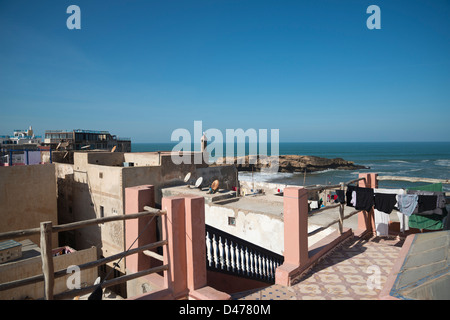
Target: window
{"points": [[102, 211], [100, 175], [231, 221]]}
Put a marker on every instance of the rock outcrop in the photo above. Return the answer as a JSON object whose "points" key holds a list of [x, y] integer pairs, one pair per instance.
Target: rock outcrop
{"points": [[294, 163]]}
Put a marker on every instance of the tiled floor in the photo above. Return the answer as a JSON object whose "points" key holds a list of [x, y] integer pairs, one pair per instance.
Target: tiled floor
{"points": [[357, 270]]}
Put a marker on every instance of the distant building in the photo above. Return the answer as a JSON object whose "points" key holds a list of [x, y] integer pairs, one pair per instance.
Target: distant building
{"points": [[21, 138], [22, 148], [86, 140]]}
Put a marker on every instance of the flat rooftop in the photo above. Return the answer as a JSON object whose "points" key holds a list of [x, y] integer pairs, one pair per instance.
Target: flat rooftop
{"points": [[220, 194], [270, 204]]}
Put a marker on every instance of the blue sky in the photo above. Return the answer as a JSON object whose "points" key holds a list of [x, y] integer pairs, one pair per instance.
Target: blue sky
{"points": [[311, 69]]}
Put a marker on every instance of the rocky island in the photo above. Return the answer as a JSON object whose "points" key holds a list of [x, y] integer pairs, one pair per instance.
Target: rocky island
{"points": [[293, 163]]}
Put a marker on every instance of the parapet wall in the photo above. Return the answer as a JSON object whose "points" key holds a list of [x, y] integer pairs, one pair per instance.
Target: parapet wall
{"points": [[27, 197]]}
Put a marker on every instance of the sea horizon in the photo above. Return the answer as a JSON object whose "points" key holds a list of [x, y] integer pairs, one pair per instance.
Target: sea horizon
{"points": [[410, 159]]}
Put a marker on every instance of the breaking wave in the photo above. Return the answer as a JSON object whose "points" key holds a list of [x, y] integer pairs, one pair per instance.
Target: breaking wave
{"points": [[443, 162]]}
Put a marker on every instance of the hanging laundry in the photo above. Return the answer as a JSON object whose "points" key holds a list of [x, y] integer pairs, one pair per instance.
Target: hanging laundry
{"points": [[340, 196], [429, 220], [407, 203], [384, 202], [426, 206], [404, 221], [426, 203], [381, 222], [364, 198], [402, 218], [348, 195], [436, 187], [353, 200]]}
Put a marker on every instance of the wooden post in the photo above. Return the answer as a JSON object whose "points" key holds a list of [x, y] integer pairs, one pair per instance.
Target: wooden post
{"points": [[341, 213], [47, 259]]}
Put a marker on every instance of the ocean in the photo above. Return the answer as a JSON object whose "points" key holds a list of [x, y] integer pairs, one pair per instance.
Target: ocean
{"points": [[410, 159]]}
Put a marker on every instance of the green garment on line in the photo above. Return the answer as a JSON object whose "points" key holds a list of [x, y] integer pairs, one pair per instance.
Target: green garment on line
{"points": [[434, 187], [428, 222]]}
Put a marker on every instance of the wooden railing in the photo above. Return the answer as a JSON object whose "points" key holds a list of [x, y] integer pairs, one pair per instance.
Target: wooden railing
{"points": [[341, 218], [229, 254], [46, 229]]}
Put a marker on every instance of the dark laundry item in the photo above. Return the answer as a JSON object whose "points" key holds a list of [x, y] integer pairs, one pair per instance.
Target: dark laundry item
{"points": [[96, 294], [426, 203], [364, 198], [340, 196], [440, 200], [348, 195], [384, 202]]}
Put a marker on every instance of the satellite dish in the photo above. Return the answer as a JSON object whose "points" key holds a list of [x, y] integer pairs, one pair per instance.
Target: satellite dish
{"points": [[113, 149], [198, 183], [215, 185], [188, 176]]}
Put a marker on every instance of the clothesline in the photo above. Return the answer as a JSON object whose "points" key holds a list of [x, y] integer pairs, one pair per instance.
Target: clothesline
{"points": [[422, 208]]}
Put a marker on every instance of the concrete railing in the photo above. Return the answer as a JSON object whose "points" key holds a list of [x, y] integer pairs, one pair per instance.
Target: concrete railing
{"points": [[183, 227], [298, 256], [233, 255]]}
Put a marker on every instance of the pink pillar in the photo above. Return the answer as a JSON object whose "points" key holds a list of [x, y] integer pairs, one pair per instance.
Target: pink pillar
{"points": [[295, 212], [366, 219], [135, 200], [173, 229], [195, 242]]}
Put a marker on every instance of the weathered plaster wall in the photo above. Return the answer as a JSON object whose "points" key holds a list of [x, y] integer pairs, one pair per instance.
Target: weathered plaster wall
{"points": [[27, 198], [261, 229], [97, 191], [140, 159]]}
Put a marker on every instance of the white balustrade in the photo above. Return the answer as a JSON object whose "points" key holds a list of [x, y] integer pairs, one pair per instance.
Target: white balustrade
{"points": [[246, 260]]}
